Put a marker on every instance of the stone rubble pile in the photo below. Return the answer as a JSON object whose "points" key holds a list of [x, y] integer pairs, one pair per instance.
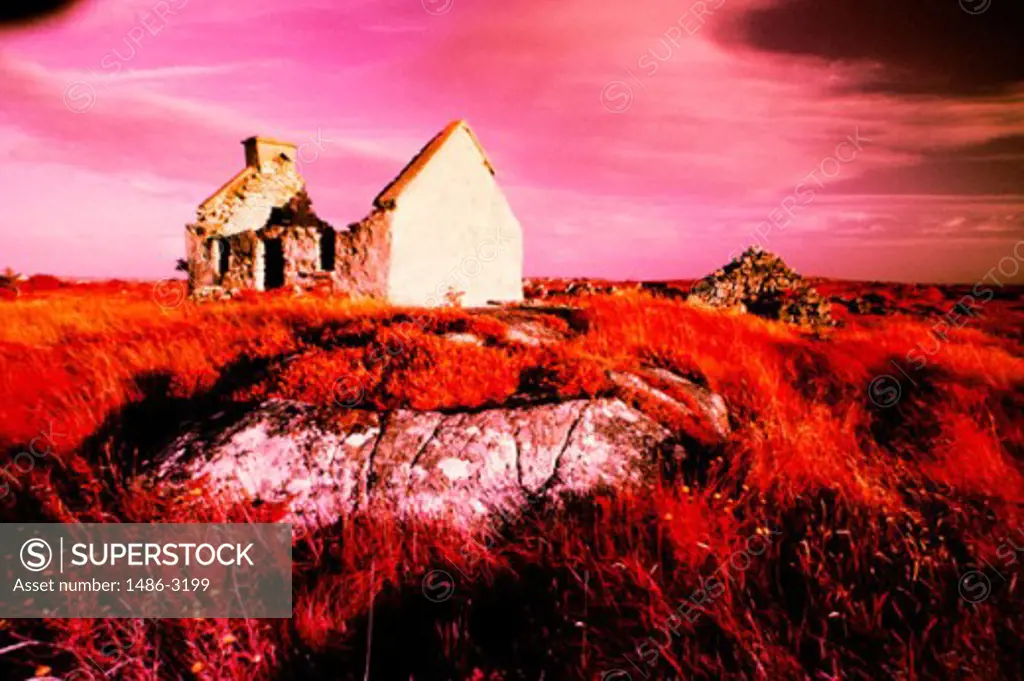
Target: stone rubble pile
{"points": [[589, 288], [9, 280], [870, 304], [537, 290], [534, 290], [759, 282], [214, 294]]}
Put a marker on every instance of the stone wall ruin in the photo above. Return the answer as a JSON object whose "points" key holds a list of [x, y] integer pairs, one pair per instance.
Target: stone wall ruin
{"points": [[443, 214], [260, 232]]}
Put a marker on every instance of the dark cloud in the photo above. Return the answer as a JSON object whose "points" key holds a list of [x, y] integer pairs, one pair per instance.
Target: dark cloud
{"points": [[929, 47], [24, 11], [995, 167]]}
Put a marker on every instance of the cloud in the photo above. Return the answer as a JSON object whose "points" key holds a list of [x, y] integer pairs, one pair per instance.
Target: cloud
{"points": [[24, 12], [121, 124], [109, 125], [992, 167], [904, 48]]}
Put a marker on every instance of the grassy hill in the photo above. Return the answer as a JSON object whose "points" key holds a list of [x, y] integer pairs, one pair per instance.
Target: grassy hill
{"points": [[861, 521]]}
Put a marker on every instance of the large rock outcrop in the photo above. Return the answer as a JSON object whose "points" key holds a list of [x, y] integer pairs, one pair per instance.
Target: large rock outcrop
{"points": [[425, 464], [455, 466]]}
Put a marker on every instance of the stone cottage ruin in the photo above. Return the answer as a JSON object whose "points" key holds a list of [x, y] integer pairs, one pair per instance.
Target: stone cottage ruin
{"points": [[441, 231]]}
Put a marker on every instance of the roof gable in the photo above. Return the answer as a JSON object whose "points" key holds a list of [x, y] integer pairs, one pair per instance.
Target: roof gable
{"points": [[394, 189], [245, 203], [234, 183]]}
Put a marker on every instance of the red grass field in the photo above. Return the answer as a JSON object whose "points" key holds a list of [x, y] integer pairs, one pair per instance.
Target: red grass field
{"points": [[829, 538]]}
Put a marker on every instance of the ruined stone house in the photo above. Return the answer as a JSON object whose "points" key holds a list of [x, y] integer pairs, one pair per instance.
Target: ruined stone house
{"points": [[442, 230]]}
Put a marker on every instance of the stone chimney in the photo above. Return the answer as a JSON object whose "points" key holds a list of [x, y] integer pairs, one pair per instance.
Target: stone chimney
{"points": [[260, 152]]}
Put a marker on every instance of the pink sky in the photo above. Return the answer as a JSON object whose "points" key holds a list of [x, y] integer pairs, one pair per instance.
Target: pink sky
{"points": [[634, 140]]}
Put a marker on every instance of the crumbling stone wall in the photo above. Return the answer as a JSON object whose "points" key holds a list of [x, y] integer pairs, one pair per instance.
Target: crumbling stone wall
{"points": [[251, 202], [227, 245], [200, 253], [363, 255], [244, 262], [301, 250], [299, 230]]}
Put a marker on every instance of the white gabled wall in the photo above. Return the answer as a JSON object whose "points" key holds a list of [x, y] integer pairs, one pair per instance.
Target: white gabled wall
{"points": [[452, 226]]}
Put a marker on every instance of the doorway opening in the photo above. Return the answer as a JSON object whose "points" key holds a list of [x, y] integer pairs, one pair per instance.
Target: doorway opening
{"points": [[327, 250], [273, 264], [223, 256]]}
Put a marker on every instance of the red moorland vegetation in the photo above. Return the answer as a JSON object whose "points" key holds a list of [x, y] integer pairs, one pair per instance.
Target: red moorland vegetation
{"points": [[827, 538]]}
